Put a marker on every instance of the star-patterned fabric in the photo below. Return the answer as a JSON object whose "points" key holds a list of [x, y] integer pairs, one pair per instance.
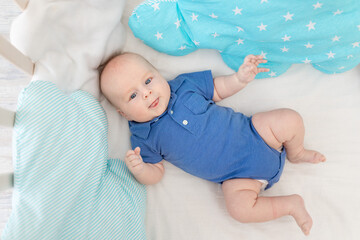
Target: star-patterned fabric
{"points": [[324, 33]]}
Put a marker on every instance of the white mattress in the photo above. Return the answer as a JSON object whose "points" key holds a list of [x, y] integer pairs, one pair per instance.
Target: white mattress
{"points": [[185, 207]]}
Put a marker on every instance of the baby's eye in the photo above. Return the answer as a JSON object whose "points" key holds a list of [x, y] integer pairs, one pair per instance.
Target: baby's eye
{"points": [[148, 81], [133, 96]]}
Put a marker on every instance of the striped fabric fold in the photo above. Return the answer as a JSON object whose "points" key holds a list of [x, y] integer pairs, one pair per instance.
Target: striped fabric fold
{"points": [[66, 187]]}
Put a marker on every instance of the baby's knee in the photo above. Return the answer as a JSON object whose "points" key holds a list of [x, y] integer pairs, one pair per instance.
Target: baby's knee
{"points": [[291, 116], [242, 210], [241, 214]]}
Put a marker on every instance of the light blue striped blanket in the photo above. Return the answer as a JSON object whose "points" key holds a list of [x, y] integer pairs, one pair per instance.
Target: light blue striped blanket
{"points": [[324, 33], [65, 185]]}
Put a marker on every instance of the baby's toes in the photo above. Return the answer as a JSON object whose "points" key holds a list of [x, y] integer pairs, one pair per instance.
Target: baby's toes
{"points": [[306, 227], [319, 158]]}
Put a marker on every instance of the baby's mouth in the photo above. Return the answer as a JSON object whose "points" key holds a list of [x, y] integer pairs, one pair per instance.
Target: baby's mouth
{"points": [[154, 103]]}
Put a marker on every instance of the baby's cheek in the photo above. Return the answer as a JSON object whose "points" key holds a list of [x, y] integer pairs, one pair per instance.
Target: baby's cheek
{"points": [[141, 114]]}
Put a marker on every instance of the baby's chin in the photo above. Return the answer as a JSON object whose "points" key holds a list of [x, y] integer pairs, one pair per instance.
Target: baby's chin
{"points": [[145, 119], [158, 111], [150, 118]]}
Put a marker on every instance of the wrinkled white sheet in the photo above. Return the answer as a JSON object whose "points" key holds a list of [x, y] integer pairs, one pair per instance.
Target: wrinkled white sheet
{"points": [[68, 39], [69, 45], [185, 207]]}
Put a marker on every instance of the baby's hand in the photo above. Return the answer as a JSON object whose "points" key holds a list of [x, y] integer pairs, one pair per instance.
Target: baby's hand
{"points": [[248, 70], [134, 161]]}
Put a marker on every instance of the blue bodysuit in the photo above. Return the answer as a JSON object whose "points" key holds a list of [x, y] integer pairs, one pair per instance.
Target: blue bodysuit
{"points": [[204, 139]]}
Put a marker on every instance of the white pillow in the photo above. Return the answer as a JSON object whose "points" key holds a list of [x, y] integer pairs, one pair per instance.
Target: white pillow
{"points": [[69, 39]]}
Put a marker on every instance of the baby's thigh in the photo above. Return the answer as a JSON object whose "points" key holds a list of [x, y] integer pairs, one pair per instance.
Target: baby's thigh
{"points": [[232, 186], [276, 126], [240, 196]]}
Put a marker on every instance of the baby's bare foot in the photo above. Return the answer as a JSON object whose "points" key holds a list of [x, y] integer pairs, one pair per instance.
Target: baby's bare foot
{"points": [[309, 156], [302, 217]]}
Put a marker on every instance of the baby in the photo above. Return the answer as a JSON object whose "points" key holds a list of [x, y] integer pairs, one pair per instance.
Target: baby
{"points": [[178, 121]]}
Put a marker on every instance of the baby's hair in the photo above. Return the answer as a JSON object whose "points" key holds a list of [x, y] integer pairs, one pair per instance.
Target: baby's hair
{"points": [[103, 65], [114, 55]]}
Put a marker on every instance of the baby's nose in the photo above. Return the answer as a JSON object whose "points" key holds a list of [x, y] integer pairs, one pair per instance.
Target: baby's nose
{"points": [[147, 93]]}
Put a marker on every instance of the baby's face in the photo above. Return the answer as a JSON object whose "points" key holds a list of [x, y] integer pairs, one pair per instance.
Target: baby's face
{"points": [[135, 88]]}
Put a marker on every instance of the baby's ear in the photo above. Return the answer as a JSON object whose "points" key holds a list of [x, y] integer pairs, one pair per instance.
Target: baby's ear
{"points": [[122, 114]]}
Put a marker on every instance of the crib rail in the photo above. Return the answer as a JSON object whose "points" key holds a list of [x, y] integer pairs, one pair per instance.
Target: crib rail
{"points": [[6, 181], [15, 56], [22, 3], [7, 118]]}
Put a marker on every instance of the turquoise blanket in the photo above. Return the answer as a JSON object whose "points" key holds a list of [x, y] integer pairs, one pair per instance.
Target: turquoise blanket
{"points": [[66, 187], [323, 33]]}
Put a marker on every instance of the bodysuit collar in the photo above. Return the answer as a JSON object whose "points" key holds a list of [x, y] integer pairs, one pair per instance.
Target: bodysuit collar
{"points": [[142, 129]]}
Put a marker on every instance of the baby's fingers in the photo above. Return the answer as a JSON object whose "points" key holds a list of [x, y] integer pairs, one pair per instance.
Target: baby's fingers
{"points": [[260, 61], [129, 153], [137, 150], [255, 59], [134, 160], [131, 156], [263, 70], [250, 59]]}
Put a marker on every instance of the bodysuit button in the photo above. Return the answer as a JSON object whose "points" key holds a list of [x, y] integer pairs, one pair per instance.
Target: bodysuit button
{"points": [[171, 112], [185, 122]]}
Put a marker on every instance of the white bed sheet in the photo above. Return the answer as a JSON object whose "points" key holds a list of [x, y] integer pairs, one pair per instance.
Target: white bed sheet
{"points": [[182, 206]]}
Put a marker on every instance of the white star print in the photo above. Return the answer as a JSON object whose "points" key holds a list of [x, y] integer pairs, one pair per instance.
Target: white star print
{"points": [[288, 16], [177, 23], [263, 54], [286, 38], [262, 27], [336, 39], [215, 35], [213, 15], [240, 41], [272, 74], [155, 6], [158, 35], [308, 45], [317, 5], [237, 11], [328, 41], [240, 29], [338, 12], [284, 49], [350, 56], [331, 54], [307, 61], [311, 25], [342, 67], [194, 17]]}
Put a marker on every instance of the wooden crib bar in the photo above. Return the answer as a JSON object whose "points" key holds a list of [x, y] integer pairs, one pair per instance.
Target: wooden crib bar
{"points": [[7, 118], [22, 3], [15, 56], [6, 181]]}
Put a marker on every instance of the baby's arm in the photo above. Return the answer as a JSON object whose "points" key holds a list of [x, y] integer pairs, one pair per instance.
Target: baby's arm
{"points": [[225, 86], [145, 173]]}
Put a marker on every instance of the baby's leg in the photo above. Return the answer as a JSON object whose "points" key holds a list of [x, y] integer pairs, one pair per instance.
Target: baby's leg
{"points": [[285, 127], [243, 204]]}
